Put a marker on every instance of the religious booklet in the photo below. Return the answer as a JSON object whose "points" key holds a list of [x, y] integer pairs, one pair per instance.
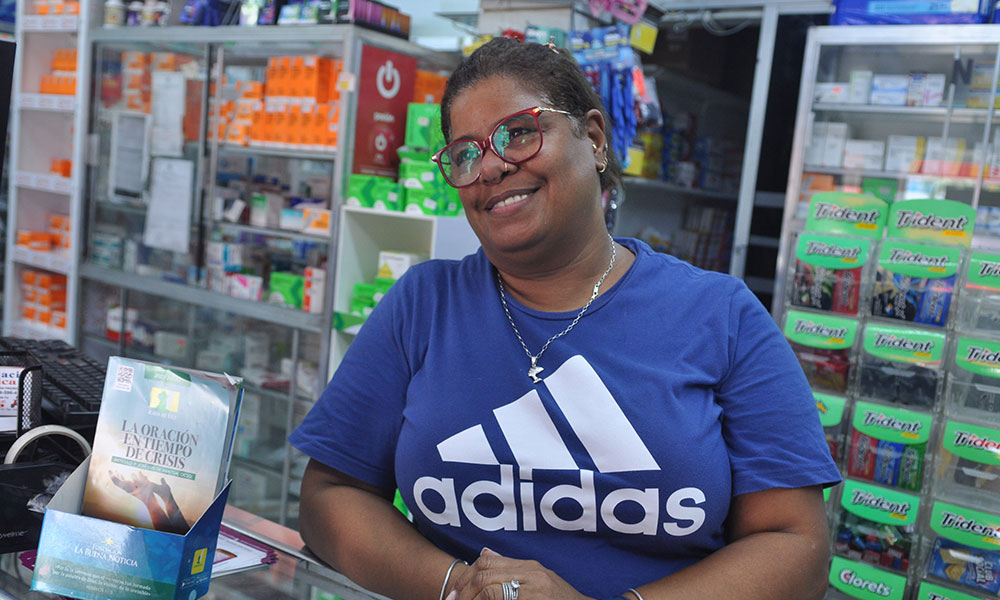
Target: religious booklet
{"points": [[162, 446]]}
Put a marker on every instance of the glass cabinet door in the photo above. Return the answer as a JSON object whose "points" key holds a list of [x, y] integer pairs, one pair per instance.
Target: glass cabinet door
{"points": [[899, 121]]}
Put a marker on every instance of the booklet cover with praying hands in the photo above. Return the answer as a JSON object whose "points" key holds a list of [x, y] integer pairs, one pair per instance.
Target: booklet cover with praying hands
{"points": [[162, 445]]}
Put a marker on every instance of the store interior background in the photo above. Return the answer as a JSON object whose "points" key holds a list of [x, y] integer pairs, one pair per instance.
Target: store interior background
{"points": [[728, 70]]}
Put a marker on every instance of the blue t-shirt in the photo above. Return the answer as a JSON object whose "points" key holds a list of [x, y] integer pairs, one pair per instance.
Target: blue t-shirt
{"points": [[675, 392]]}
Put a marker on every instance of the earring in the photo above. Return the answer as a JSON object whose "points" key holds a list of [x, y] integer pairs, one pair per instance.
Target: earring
{"points": [[504, 167], [605, 165]]}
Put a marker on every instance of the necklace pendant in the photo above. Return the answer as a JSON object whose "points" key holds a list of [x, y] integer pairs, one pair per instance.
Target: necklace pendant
{"points": [[535, 370]]}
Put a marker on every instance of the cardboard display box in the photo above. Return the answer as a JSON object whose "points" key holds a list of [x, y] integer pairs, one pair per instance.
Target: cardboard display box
{"points": [[92, 559]]}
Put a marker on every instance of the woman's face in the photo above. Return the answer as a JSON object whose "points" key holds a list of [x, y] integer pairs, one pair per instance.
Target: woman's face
{"points": [[537, 205]]}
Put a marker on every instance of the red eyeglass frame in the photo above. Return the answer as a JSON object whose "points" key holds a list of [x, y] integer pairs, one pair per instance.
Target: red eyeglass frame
{"points": [[487, 142]]}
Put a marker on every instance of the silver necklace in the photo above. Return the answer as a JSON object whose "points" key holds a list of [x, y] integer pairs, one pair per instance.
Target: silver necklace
{"points": [[535, 368]]}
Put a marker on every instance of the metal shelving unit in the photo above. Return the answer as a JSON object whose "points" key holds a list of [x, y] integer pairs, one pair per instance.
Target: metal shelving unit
{"points": [[238, 53], [832, 52], [44, 127]]}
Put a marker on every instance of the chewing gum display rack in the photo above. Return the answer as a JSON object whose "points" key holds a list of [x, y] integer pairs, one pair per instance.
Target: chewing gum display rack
{"points": [[896, 324]]}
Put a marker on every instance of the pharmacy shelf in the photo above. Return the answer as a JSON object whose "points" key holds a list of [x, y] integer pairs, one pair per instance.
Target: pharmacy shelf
{"points": [[47, 102], [953, 180], [268, 231], [652, 185], [50, 23], [937, 112], [45, 182], [260, 311], [57, 262], [125, 207], [290, 153], [35, 331]]}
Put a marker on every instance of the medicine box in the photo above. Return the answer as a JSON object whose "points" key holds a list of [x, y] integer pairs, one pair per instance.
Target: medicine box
{"points": [[904, 153], [890, 90], [285, 289], [944, 156], [420, 119], [901, 365], [832, 93], [823, 344], [960, 559], [888, 445], [864, 154], [860, 87], [265, 209], [392, 265], [834, 143], [92, 559]]}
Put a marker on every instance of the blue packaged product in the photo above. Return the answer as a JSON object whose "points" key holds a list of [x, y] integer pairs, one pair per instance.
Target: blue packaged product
{"points": [[963, 565], [907, 12], [887, 459], [935, 300]]}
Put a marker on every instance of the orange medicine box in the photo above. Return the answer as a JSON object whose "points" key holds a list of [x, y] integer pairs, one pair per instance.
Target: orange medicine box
{"points": [[59, 319], [29, 278], [29, 312]]}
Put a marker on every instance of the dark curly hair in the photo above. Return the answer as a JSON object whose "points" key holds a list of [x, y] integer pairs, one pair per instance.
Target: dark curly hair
{"points": [[555, 76]]}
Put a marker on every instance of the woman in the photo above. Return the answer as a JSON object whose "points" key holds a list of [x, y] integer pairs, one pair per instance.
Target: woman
{"points": [[572, 415]]}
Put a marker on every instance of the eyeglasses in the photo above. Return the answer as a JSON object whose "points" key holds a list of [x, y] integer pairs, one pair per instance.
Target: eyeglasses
{"points": [[515, 139]]}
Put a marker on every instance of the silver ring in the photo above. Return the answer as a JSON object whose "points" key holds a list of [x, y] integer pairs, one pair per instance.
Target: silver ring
{"points": [[510, 589]]}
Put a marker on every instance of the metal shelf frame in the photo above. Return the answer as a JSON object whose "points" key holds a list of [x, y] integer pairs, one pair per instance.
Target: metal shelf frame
{"points": [[260, 311]]}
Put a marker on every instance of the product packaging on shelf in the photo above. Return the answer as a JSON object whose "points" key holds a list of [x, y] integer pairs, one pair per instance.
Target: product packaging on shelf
{"points": [[392, 265], [889, 89], [900, 12], [856, 579], [882, 188], [914, 282], [877, 526], [361, 189], [844, 213], [888, 445], [832, 413], [828, 272], [823, 344], [918, 260], [864, 154], [960, 549], [286, 289], [901, 365], [979, 309], [968, 462], [905, 153], [420, 121]]}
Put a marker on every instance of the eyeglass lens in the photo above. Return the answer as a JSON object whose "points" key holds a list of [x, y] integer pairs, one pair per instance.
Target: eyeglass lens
{"points": [[515, 140]]}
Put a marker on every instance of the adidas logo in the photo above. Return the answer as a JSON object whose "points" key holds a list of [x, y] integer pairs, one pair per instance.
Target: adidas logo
{"points": [[608, 438]]}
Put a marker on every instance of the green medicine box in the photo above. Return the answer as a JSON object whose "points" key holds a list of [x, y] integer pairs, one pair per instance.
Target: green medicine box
{"points": [[286, 289], [361, 189], [388, 195], [420, 121]]}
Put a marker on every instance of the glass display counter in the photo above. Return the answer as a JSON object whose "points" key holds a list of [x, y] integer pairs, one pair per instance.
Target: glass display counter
{"points": [[295, 575]]}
